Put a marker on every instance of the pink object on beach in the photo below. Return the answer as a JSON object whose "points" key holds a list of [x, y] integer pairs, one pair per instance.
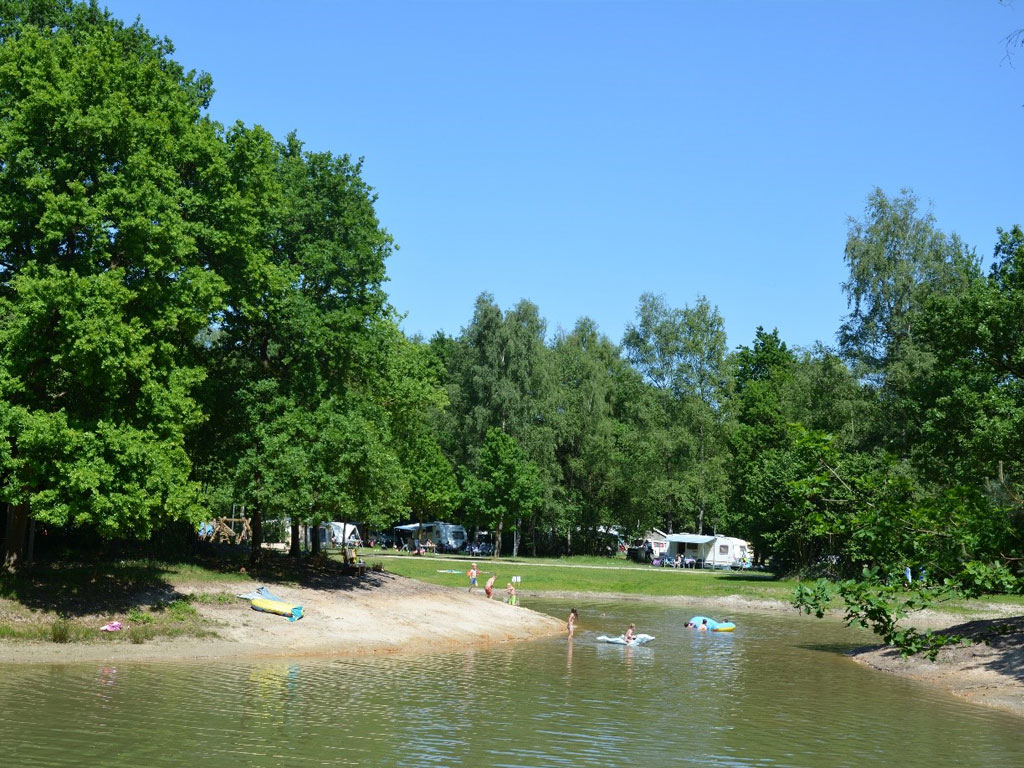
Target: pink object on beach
{"points": [[113, 626]]}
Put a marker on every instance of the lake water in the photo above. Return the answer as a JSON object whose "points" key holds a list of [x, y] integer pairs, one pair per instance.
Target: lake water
{"points": [[776, 692]]}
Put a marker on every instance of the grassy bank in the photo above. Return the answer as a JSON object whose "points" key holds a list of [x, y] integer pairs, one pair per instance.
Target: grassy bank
{"points": [[69, 602], [602, 575], [591, 575]]}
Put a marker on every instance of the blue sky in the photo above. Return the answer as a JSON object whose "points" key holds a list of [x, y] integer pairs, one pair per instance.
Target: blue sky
{"points": [[578, 153]]}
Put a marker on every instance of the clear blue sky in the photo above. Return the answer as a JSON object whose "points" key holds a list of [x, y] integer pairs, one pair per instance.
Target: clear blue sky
{"points": [[578, 153]]}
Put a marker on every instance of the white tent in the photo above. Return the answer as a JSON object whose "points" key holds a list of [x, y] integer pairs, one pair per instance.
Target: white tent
{"points": [[343, 534]]}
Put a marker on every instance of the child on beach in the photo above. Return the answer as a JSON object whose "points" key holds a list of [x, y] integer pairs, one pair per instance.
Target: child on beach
{"points": [[489, 588], [472, 573], [571, 625], [511, 592]]}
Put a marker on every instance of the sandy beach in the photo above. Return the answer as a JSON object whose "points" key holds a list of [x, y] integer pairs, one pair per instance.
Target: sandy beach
{"points": [[377, 614]]}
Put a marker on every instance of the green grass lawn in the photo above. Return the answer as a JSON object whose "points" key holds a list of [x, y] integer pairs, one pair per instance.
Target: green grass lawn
{"points": [[589, 574], [620, 577]]}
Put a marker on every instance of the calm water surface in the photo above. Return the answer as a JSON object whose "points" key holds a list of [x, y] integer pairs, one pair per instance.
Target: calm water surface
{"points": [[777, 692]]}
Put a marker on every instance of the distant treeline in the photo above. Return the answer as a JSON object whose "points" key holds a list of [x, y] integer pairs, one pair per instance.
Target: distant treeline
{"points": [[193, 316]]}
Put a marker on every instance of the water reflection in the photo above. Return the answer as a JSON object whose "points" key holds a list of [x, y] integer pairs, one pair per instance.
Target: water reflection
{"points": [[774, 693]]}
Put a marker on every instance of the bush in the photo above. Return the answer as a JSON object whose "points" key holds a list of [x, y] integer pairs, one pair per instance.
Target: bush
{"points": [[61, 630], [136, 616], [181, 610], [139, 635]]}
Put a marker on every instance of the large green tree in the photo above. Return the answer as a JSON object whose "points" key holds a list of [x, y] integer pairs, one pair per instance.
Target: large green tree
{"points": [[761, 438], [108, 173], [681, 354], [597, 477], [304, 356], [505, 486], [897, 257], [499, 378]]}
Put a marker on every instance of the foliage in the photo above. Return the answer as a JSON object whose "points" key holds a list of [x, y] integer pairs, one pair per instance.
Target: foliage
{"points": [[879, 603], [108, 177], [681, 354], [60, 630], [506, 485], [897, 257]]}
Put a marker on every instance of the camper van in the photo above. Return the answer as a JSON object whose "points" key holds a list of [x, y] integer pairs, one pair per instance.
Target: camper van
{"points": [[446, 537]]}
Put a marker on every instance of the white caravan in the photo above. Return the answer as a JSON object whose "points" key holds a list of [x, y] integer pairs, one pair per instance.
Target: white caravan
{"points": [[709, 551]]}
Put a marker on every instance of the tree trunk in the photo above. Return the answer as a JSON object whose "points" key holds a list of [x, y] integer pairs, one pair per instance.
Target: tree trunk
{"points": [[515, 537], [296, 549], [256, 551], [314, 539], [497, 540], [17, 533], [700, 517]]}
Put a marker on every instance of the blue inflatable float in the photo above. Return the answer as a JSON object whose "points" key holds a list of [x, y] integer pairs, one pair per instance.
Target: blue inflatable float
{"points": [[711, 624]]}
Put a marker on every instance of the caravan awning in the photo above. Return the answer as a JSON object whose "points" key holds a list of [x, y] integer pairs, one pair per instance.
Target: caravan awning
{"points": [[410, 527], [689, 538]]}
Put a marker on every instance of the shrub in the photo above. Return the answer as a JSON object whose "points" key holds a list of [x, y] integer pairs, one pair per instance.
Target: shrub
{"points": [[181, 610], [60, 630]]}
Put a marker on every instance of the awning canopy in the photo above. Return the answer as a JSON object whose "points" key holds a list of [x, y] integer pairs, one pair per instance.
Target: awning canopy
{"points": [[410, 527], [689, 538]]}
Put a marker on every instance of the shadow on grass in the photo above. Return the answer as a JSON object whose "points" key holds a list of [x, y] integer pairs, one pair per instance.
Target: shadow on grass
{"points": [[106, 587], [748, 576]]}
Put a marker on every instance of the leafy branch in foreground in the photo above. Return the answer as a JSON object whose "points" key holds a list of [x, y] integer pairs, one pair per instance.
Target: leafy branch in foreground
{"points": [[879, 602]]}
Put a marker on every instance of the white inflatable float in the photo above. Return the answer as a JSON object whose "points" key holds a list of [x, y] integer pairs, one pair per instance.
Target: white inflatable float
{"points": [[621, 640]]}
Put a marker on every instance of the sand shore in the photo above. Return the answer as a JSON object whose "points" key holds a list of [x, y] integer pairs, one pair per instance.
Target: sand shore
{"points": [[378, 614], [991, 674]]}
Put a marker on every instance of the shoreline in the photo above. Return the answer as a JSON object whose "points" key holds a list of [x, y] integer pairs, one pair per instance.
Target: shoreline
{"points": [[385, 614], [380, 614]]}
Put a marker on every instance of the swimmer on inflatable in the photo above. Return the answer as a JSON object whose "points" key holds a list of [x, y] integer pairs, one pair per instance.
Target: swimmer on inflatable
{"points": [[704, 624]]}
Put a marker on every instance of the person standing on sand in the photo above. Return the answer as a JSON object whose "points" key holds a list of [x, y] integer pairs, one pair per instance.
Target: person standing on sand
{"points": [[489, 588], [472, 573], [511, 592], [570, 626]]}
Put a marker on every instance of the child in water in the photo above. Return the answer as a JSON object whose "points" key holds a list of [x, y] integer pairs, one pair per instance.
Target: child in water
{"points": [[630, 633], [571, 624]]}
